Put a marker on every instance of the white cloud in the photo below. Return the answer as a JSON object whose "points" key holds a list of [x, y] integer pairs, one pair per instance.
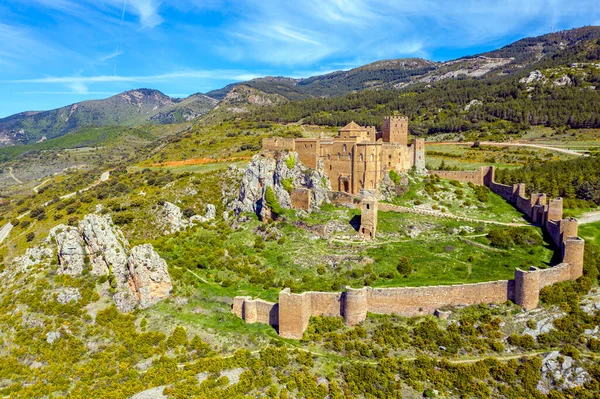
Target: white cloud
{"points": [[114, 54]]}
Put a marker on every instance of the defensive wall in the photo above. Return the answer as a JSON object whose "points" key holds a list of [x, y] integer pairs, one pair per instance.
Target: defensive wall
{"points": [[291, 315]]}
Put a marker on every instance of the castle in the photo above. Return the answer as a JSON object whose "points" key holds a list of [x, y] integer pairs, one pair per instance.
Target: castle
{"points": [[359, 157], [292, 313]]}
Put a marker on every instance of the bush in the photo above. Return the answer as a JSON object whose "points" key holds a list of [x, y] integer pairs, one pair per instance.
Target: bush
{"points": [[508, 237], [290, 162], [395, 177], [189, 212], [271, 201], [405, 267], [30, 236]]}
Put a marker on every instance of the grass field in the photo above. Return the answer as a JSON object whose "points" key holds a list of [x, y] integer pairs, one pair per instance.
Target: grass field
{"points": [[466, 157], [590, 232]]}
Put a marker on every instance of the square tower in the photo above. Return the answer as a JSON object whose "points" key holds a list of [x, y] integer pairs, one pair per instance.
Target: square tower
{"points": [[395, 130], [368, 218]]}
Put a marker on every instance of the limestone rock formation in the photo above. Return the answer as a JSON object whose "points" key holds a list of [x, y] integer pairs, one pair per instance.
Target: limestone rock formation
{"points": [[70, 248], [149, 275], [105, 245], [280, 172], [171, 218], [139, 276], [534, 76]]}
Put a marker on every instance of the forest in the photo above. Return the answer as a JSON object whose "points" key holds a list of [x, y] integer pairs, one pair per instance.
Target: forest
{"points": [[577, 181]]}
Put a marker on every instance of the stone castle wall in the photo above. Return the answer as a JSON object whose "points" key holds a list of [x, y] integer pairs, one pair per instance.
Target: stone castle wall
{"points": [[301, 198], [294, 310], [480, 177]]}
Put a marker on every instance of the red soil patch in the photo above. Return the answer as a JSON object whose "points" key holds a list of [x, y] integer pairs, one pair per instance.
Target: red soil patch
{"points": [[199, 161]]}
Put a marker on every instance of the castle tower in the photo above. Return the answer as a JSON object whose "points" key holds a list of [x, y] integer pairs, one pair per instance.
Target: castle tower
{"points": [[419, 153], [555, 209], [395, 130], [573, 251], [368, 218]]}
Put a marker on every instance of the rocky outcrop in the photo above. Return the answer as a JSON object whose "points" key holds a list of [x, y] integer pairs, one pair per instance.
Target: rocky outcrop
{"points": [[70, 249], [149, 275], [171, 219], [138, 276], [281, 172], [533, 77], [211, 214], [105, 245], [560, 372]]}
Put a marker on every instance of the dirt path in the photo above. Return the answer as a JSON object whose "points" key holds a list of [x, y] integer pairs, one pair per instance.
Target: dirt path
{"points": [[589, 217], [511, 144], [10, 172], [36, 188]]}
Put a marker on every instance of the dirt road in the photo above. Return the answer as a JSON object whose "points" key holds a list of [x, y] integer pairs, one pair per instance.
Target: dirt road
{"points": [[511, 144]]}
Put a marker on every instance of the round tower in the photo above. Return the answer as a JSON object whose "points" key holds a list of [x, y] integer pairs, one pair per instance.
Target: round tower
{"points": [[355, 305]]}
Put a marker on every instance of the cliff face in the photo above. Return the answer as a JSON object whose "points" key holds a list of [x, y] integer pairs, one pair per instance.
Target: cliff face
{"points": [[282, 173]]}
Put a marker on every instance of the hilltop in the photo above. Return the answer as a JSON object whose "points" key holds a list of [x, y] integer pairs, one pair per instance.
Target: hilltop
{"points": [[129, 108]]}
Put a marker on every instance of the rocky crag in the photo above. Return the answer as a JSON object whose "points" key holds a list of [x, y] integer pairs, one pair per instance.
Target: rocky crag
{"points": [[138, 276], [282, 172], [171, 219]]}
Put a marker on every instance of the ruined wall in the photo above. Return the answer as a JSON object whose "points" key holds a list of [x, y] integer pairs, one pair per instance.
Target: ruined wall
{"points": [[301, 198], [278, 144], [308, 150], [482, 176], [256, 310]]}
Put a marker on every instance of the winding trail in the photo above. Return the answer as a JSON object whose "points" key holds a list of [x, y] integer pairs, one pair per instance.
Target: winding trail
{"points": [[5, 230], [10, 172], [511, 144], [589, 217]]}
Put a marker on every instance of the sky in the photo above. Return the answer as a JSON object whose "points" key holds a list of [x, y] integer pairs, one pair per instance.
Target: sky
{"points": [[58, 52]]}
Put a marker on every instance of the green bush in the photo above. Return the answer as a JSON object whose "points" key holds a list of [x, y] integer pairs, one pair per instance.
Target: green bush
{"points": [[271, 201]]}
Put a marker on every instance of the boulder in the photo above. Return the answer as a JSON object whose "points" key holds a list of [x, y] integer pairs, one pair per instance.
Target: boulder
{"points": [[171, 218], [52, 337], [149, 276], [70, 249]]}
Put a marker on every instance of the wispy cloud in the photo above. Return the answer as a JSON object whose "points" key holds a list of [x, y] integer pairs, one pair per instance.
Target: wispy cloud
{"points": [[72, 81], [112, 55]]}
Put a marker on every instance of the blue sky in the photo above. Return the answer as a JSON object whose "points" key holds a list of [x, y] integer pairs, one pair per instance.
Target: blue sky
{"points": [[57, 52]]}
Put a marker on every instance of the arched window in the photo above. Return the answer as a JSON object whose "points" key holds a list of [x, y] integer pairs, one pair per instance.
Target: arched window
{"points": [[361, 157], [345, 148], [371, 157], [339, 156]]}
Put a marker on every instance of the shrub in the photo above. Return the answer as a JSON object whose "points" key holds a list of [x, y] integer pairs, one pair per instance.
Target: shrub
{"points": [[395, 177], [30, 236], [189, 212], [290, 162], [287, 185], [271, 201], [405, 267]]}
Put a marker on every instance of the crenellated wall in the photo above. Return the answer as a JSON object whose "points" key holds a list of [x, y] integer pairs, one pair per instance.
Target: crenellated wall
{"points": [[293, 312]]}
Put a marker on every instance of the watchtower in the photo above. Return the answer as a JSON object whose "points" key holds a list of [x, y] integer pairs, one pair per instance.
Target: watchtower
{"points": [[395, 130], [368, 218]]}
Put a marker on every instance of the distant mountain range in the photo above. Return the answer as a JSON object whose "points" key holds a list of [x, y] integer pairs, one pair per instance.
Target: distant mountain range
{"points": [[142, 106], [130, 108]]}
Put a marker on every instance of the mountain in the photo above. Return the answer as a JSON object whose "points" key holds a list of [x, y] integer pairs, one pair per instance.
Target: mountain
{"points": [[383, 73], [130, 108], [400, 73]]}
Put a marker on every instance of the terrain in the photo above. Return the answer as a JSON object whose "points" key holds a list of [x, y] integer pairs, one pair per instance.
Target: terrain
{"points": [[173, 184]]}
